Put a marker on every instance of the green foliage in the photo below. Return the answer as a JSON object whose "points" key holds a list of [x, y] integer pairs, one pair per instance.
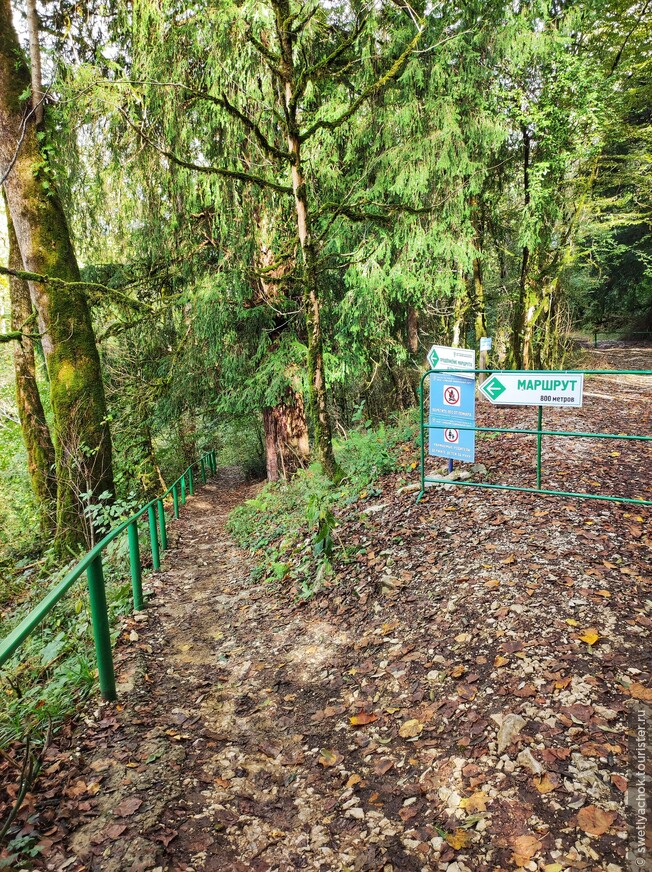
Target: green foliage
{"points": [[292, 528]]}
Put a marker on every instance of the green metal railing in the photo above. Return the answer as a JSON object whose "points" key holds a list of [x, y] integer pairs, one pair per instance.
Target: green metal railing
{"points": [[91, 564], [617, 335], [539, 433]]}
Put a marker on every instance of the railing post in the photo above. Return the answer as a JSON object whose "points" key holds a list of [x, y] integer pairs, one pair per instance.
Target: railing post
{"points": [[175, 500], [539, 441], [101, 631], [202, 466], [134, 561], [595, 339], [214, 462], [191, 482], [183, 489], [422, 443], [156, 557], [161, 524]]}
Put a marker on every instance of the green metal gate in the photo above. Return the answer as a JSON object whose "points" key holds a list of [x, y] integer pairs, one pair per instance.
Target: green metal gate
{"points": [[539, 433]]}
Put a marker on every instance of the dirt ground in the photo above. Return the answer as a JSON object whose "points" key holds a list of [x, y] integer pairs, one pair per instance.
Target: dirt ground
{"points": [[458, 699]]}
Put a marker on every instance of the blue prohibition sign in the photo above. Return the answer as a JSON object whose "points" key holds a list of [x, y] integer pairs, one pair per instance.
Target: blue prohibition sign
{"points": [[452, 402]]}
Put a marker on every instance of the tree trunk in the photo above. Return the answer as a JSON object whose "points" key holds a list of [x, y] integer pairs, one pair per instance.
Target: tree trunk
{"points": [[412, 330], [322, 434], [36, 433], [81, 435], [35, 61], [286, 436], [521, 307]]}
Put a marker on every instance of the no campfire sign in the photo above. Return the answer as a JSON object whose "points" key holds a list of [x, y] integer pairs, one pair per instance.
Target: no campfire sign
{"points": [[452, 405]]}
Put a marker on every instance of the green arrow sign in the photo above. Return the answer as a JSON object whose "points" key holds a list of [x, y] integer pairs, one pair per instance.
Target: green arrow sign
{"points": [[493, 388], [433, 359], [552, 388]]}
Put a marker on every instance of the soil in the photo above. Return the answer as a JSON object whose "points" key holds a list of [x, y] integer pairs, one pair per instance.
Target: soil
{"points": [[459, 697]]}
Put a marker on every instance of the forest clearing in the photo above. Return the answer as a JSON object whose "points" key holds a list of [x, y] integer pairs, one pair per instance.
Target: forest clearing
{"points": [[325, 426]]}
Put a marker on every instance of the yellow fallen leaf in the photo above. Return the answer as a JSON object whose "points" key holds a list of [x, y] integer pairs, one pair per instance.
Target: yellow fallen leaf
{"points": [[545, 784], [458, 839], [500, 661], [329, 757], [462, 637], [572, 622], [590, 636], [450, 509], [553, 867], [411, 729], [604, 593], [353, 780], [615, 454], [476, 802], [362, 719]]}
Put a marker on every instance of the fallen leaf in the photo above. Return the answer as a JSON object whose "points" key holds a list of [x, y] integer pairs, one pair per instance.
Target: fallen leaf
{"points": [[477, 802], [114, 831], [590, 636], [553, 867], [329, 757], [508, 560], [604, 593], [524, 848], [383, 766], [459, 839], [620, 782], [572, 622], [353, 780], [639, 691], [595, 820], [500, 661], [546, 783], [458, 671], [410, 729], [465, 691], [128, 806], [363, 718], [561, 683]]}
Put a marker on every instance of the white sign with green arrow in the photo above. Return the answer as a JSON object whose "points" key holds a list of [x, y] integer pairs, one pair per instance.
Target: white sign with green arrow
{"points": [[458, 359], [534, 389]]}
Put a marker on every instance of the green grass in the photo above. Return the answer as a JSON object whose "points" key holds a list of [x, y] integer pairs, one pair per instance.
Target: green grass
{"points": [[292, 528]]}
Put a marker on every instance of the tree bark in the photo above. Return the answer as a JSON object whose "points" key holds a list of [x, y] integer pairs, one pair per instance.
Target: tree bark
{"points": [[286, 437], [36, 433], [412, 330], [322, 434], [81, 433], [35, 61], [520, 310]]}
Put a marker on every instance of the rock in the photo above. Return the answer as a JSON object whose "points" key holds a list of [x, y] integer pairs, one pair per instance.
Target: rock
{"points": [[356, 813], [510, 726], [133, 636], [371, 510], [526, 760], [464, 475], [479, 467]]}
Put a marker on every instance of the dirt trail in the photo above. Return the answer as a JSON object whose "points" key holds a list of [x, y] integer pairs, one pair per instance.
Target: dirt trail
{"points": [[460, 700], [203, 764]]}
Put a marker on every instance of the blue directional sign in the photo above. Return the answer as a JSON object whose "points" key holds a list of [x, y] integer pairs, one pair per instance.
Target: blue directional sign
{"points": [[452, 402]]}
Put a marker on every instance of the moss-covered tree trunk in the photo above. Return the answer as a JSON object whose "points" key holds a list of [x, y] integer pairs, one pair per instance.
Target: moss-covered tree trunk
{"points": [[322, 434], [36, 433], [81, 434]]}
